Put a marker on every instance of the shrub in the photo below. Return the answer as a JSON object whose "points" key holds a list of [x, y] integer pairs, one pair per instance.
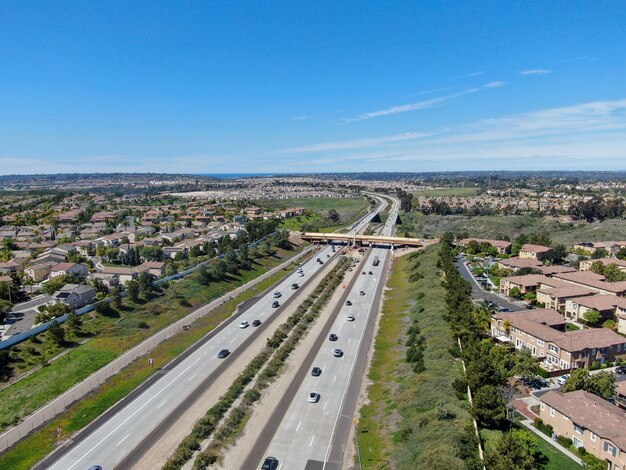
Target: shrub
{"points": [[564, 441]]}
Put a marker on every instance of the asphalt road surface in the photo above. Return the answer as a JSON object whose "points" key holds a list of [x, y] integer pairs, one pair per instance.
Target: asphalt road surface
{"points": [[109, 443], [314, 435]]}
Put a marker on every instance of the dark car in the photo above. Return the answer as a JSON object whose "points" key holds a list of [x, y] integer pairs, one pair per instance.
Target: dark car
{"points": [[620, 370], [333, 337], [256, 322], [316, 372], [275, 304], [370, 273], [95, 467], [348, 302], [223, 353], [294, 286], [270, 463]]}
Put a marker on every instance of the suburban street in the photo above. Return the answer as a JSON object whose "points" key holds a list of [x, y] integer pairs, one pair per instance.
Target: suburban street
{"points": [[314, 435], [114, 439]]}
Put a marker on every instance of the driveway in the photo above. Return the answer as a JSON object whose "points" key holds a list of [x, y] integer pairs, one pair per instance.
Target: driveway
{"points": [[479, 293]]}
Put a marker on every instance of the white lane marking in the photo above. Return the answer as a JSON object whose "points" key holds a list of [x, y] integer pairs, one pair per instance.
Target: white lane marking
{"points": [[349, 339], [325, 403], [159, 407], [175, 379], [311, 443], [233, 340], [190, 378], [123, 439], [335, 379], [354, 325], [298, 426]]}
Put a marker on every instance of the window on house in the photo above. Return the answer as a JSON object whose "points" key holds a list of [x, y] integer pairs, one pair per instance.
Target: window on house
{"points": [[577, 442], [551, 411], [543, 406], [578, 429], [610, 449], [540, 342], [593, 436]]}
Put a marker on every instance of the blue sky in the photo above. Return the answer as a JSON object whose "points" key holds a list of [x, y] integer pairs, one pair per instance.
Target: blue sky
{"points": [[319, 86]]}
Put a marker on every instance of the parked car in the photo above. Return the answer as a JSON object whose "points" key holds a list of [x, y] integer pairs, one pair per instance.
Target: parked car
{"points": [[275, 304], [223, 353], [270, 463], [333, 337], [314, 397], [244, 324], [561, 380], [316, 372], [620, 370], [351, 318], [337, 352], [256, 323]]}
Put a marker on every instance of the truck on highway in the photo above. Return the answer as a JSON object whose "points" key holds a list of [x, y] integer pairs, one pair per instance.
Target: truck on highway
{"points": [[376, 261]]}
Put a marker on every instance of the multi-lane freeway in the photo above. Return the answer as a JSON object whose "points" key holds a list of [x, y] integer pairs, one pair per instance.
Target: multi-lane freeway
{"points": [[111, 441], [314, 435]]}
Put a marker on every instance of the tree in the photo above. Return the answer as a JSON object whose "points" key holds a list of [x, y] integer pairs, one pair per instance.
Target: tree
{"points": [[74, 323], [5, 309], [558, 253], [132, 288], [525, 365], [601, 384], [333, 215], [613, 273], [515, 293], [116, 297], [599, 253], [56, 333], [516, 450], [146, 287], [489, 406], [593, 317]]}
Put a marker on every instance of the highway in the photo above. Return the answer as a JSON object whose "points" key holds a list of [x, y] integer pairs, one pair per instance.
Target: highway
{"points": [[314, 435], [109, 443]]}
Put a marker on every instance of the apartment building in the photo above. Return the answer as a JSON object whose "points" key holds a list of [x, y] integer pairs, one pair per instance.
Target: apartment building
{"points": [[537, 252], [542, 332], [556, 297], [502, 246], [585, 265], [591, 247], [590, 422], [529, 283], [595, 282], [610, 306], [515, 264]]}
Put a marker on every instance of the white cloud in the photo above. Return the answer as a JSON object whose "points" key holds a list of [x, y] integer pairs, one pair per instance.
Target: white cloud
{"points": [[425, 104], [356, 144], [300, 118], [468, 75], [535, 72]]}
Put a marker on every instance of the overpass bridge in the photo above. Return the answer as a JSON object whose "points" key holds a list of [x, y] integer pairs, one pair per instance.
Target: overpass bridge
{"points": [[363, 239]]}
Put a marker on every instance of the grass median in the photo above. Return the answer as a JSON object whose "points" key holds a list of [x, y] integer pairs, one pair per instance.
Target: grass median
{"points": [[411, 419], [32, 449]]}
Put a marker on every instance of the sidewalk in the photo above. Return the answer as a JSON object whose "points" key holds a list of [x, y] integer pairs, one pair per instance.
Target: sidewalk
{"points": [[567, 452]]}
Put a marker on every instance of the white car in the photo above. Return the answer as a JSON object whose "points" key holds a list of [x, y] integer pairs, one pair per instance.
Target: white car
{"points": [[561, 380], [277, 294], [350, 317], [244, 324], [314, 397]]}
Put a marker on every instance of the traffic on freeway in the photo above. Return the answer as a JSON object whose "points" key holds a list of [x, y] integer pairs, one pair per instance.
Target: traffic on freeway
{"points": [[121, 433]]}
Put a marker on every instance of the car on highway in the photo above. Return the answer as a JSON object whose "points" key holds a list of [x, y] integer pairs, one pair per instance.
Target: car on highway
{"points": [[95, 467], [294, 286], [350, 317], [277, 294], [337, 352], [301, 274], [223, 353], [275, 304], [244, 324], [363, 273], [333, 337], [314, 397], [561, 380], [316, 372], [621, 370], [362, 292], [370, 273], [270, 463], [328, 256], [256, 323], [348, 302]]}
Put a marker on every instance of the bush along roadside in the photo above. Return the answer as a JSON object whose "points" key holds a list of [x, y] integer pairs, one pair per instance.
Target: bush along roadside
{"points": [[279, 346]]}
